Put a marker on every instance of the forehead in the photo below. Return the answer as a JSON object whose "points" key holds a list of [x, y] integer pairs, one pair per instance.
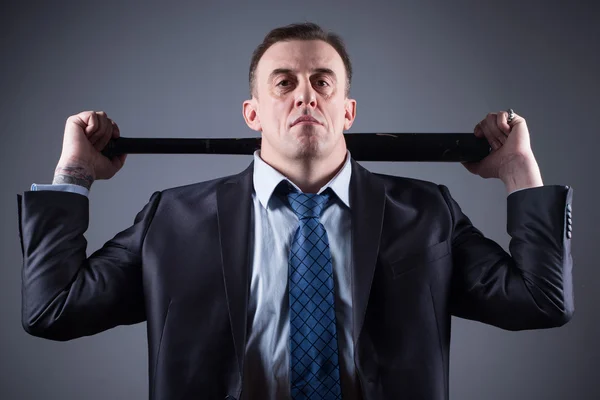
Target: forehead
{"points": [[301, 55]]}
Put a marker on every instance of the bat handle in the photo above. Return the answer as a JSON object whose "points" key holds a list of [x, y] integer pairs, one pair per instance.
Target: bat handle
{"points": [[109, 150], [124, 145]]}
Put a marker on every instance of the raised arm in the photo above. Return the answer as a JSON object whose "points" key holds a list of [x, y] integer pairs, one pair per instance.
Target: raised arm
{"points": [[65, 293]]}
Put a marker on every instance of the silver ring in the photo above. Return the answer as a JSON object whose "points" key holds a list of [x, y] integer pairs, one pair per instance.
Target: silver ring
{"points": [[511, 115]]}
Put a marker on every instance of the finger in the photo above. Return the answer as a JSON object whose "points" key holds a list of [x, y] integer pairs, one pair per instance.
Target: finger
{"points": [[502, 122], [494, 129], [116, 131], [103, 141], [118, 161], [92, 123], [95, 134], [105, 129], [516, 120], [478, 131], [494, 143]]}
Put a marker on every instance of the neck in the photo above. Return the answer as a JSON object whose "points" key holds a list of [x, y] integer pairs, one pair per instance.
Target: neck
{"points": [[309, 174]]}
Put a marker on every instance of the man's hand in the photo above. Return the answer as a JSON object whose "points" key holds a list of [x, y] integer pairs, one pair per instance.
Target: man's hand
{"points": [[81, 161], [511, 159]]}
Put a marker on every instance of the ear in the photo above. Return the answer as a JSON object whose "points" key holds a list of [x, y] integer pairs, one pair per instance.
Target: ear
{"points": [[249, 109], [350, 113]]}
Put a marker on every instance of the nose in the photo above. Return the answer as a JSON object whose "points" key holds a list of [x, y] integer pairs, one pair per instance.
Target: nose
{"points": [[305, 96]]}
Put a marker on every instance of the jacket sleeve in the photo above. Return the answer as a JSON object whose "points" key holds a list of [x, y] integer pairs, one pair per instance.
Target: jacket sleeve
{"points": [[530, 288], [66, 294]]}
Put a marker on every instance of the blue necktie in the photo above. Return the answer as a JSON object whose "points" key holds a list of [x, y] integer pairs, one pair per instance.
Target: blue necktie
{"points": [[314, 362]]}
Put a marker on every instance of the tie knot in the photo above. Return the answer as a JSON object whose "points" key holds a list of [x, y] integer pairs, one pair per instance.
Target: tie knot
{"points": [[308, 205]]}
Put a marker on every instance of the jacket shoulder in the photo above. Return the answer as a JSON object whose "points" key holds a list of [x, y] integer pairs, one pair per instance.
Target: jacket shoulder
{"points": [[401, 185], [198, 191]]}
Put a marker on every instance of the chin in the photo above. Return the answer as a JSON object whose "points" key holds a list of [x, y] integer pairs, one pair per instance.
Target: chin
{"points": [[308, 138], [308, 153], [309, 145]]}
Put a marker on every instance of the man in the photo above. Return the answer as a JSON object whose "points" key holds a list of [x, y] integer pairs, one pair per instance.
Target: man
{"points": [[219, 270]]}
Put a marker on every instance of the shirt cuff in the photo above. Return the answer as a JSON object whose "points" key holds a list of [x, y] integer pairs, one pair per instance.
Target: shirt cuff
{"points": [[63, 187], [518, 190]]}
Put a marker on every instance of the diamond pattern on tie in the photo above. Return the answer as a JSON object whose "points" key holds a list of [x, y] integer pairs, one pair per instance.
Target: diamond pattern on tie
{"points": [[314, 362]]}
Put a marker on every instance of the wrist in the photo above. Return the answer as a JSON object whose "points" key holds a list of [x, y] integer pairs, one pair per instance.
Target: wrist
{"points": [[74, 173], [521, 172]]}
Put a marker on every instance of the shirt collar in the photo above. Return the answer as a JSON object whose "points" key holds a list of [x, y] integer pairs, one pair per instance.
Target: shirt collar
{"points": [[266, 179]]}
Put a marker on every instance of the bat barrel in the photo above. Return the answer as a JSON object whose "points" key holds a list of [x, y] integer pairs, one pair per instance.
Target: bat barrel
{"points": [[125, 145], [433, 147], [436, 147]]}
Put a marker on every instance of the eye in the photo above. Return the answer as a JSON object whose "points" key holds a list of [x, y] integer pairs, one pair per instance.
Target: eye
{"points": [[283, 83], [321, 82]]}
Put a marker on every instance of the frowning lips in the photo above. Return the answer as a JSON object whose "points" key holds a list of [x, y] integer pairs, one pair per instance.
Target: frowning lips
{"points": [[306, 118]]}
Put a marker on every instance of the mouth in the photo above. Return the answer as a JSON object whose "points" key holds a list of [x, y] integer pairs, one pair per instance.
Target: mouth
{"points": [[305, 120]]}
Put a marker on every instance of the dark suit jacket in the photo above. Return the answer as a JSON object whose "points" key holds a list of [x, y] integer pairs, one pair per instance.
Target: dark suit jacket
{"points": [[184, 267]]}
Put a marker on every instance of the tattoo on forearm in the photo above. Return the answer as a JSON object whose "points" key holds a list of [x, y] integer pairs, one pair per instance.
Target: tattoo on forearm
{"points": [[73, 174]]}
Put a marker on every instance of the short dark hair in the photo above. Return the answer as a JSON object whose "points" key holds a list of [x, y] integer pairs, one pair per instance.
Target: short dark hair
{"points": [[300, 31]]}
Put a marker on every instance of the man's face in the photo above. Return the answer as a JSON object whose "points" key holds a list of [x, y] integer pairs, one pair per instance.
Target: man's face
{"points": [[300, 79]]}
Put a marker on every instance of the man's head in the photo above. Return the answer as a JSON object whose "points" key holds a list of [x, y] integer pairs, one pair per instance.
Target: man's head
{"points": [[300, 71]]}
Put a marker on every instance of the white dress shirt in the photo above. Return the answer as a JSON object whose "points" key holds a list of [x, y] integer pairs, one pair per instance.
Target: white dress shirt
{"points": [[266, 365]]}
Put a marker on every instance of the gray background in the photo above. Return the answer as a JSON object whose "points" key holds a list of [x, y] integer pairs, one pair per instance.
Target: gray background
{"points": [[181, 71]]}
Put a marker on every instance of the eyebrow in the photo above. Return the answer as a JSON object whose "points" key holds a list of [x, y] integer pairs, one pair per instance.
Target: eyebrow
{"points": [[325, 71]]}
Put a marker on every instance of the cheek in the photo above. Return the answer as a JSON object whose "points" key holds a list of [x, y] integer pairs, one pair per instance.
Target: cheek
{"points": [[278, 115], [337, 113], [273, 119], [267, 117]]}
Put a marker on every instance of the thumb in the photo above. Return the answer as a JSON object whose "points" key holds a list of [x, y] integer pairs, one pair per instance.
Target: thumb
{"points": [[472, 166]]}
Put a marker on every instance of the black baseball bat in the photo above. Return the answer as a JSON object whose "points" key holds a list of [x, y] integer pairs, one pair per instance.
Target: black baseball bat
{"points": [[446, 147]]}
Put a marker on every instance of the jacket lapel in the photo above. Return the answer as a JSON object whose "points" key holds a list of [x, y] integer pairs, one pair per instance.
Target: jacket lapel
{"points": [[234, 208], [367, 199]]}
